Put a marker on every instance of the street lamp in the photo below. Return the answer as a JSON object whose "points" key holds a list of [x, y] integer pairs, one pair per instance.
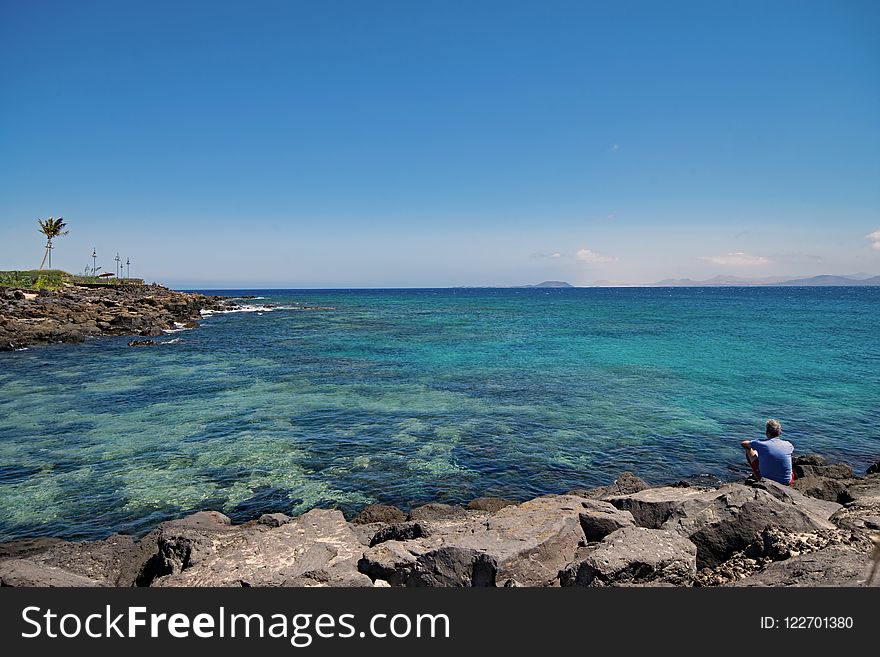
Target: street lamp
{"points": [[118, 260], [94, 261], [128, 267]]}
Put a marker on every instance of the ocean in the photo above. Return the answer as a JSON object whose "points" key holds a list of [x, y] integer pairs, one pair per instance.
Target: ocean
{"points": [[341, 398]]}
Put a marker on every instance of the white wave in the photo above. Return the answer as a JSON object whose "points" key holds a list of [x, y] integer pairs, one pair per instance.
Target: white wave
{"points": [[174, 341], [21, 349], [247, 308], [178, 327]]}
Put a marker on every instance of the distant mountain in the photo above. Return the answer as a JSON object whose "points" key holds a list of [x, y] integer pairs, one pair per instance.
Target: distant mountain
{"points": [[825, 280], [832, 281], [551, 284], [859, 277], [719, 281]]}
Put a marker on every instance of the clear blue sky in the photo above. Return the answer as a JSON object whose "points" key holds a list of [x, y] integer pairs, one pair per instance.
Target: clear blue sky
{"points": [[348, 143]]}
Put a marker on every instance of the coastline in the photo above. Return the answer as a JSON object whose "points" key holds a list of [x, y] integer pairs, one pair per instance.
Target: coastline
{"points": [[75, 314], [820, 532]]}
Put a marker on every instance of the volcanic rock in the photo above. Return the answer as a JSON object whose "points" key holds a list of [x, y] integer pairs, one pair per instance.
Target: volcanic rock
{"points": [[635, 555]]}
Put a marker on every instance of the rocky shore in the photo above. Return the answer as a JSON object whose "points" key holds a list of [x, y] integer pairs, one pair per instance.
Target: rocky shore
{"points": [[824, 531], [77, 313]]}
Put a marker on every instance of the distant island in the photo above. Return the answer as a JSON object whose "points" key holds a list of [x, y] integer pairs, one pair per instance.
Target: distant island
{"points": [[825, 280], [551, 284]]}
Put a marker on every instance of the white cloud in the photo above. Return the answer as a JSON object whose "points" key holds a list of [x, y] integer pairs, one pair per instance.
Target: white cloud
{"points": [[593, 257], [738, 259], [875, 239]]}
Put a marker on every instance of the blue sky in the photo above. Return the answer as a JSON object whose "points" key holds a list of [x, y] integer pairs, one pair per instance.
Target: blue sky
{"points": [[344, 143]]}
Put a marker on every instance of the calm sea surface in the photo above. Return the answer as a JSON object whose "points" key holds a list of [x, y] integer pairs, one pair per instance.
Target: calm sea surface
{"points": [[410, 396]]}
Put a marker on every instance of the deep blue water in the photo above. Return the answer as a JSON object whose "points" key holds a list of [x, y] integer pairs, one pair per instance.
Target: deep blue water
{"points": [[410, 396]]}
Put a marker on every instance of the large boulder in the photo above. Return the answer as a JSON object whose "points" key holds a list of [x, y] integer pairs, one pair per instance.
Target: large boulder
{"points": [[832, 566], [652, 507], [114, 561], [490, 504], [633, 556], [379, 513], [723, 520], [861, 512], [814, 465], [399, 531], [523, 545], [598, 519], [823, 488], [437, 511], [24, 572], [183, 543], [315, 549]]}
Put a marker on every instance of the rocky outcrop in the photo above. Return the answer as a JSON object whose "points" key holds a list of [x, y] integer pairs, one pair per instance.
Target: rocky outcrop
{"points": [[756, 534], [316, 549], [721, 521], [815, 477], [78, 313]]}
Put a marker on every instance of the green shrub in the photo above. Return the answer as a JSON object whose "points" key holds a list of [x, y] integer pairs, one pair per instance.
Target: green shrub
{"points": [[52, 279]]}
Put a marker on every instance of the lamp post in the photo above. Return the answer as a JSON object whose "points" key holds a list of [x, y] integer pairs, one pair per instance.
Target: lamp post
{"points": [[94, 261], [128, 267], [118, 260]]}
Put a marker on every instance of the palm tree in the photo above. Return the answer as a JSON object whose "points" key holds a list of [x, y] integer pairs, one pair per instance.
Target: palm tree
{"points": [[51, 228]]}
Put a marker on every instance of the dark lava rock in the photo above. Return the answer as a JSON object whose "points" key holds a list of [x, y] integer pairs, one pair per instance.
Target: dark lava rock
{"points": [[835, 471], [26, 546], [491, 504], [141, 343], [77, 313], [274, 519], [437, 511], [823, 488], [809, 459], [401, 531], [114, 561], [379, 513]]}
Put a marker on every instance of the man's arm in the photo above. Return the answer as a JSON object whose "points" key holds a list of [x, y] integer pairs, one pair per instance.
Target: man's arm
{"points": [[746, 444]]}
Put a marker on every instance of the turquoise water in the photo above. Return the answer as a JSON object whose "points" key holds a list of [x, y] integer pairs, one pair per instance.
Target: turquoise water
{"points": [[411, 396]]}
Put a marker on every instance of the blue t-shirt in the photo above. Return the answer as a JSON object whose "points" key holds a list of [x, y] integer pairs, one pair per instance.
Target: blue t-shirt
{"points": [[774, 458]]}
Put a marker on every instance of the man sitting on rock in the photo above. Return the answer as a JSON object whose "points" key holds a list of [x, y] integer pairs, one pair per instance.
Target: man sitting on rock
{"points": [[771, 457]]}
